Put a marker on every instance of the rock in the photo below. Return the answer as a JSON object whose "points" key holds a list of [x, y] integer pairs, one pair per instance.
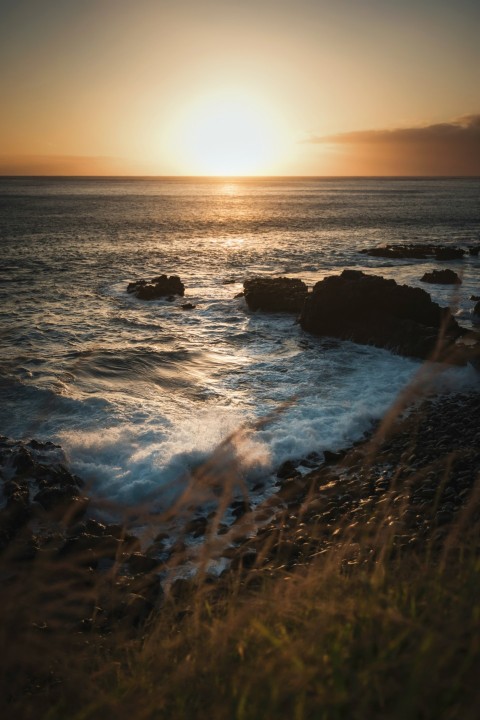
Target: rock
{"points": [[475, 297], [50, 498], [442, 277], [239, 508], [333, 457], [140, 563], [417, 251], [275, 294], [474, 250], [476, 309], [180, 589], [13, 518], [91, 547], [196, 526], [287, 469], [158, 287], [35, 470], [89, 527], [371, 310], [188, 306], [244, 560], [23, 461]]}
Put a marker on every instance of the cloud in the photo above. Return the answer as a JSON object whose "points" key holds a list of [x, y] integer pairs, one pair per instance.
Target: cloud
{"points": [[450, 148]]}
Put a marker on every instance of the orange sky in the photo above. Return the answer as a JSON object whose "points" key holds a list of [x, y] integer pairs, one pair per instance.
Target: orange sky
{"points": [[184, 87]]}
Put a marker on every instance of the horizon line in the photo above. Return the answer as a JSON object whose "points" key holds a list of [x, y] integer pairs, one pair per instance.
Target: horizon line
{"points": [[223, 178]]}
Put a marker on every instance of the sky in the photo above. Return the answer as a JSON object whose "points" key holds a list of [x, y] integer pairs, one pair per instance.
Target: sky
{"points": [[247, 87]]}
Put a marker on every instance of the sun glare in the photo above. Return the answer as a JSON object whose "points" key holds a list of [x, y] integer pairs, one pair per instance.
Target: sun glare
{"points": [[228, 136]]}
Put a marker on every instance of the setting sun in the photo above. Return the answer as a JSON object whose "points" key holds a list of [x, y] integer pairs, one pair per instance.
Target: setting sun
{"points": [[225, 135]]}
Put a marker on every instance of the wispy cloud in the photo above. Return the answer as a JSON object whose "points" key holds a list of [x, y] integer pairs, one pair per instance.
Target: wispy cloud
{"points": [[450, 148], [463, 128]]}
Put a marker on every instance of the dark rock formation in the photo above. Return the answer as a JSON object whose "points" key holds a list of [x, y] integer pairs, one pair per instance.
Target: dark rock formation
{"points": [[371, 310], [275, 294], [474, 250], [34, 480], [476, 310], [288, 469], [158, 287], [188, 306], [417, 251], [442, 277], [44, 534]]}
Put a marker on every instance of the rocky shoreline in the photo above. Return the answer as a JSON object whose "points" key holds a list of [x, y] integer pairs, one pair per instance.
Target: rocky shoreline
{"points": [[409, 485], [409, 482]]}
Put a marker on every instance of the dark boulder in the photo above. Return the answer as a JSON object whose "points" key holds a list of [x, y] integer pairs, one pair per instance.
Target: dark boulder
{"points": [[240, 508], [331, 457], [371, 310], [197, 526], [275, 294], [442, 277], [288, 469], [158, 287], [34, 481], [474, 250], [476, 309], [418, 251]]}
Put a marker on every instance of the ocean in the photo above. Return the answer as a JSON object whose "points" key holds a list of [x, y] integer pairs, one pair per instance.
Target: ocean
{"points": [[140, 393]]}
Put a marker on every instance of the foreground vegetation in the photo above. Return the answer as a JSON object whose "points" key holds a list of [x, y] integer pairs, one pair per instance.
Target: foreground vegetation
{"points": [[331, 640], [370, 618]]}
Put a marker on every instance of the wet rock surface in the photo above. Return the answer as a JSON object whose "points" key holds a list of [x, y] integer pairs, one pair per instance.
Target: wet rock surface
{"points": [[275, 294], [416, 251], [161, 286], [36, 483], [441, 277], [408, 488], [414, 480], [44, 527], [371, 310]]}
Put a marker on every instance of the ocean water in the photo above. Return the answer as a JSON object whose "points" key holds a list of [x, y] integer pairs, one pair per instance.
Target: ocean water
{"points": [[140, 393]]}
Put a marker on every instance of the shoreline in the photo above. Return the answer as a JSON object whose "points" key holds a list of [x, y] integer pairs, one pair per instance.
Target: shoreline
{"points": [[407, 497], [401, 463]]}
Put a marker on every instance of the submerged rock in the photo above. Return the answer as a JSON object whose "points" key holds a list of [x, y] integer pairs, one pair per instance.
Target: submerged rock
{"points": [[371, 310], [442, 277], [157, 287], [417, 251], [275, 294]]}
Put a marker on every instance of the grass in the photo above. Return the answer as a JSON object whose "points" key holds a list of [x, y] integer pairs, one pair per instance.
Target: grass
{"points": [[392, 639], [354, 629]]}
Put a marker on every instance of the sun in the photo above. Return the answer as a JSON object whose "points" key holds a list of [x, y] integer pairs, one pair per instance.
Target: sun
{"points": [[228, 135]]}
